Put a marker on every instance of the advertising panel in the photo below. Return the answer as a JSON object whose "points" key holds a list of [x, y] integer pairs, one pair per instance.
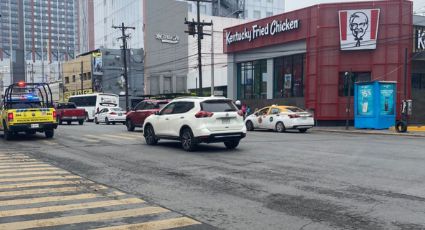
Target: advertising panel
{"points": [[365, 100], [97, 63], [358, 29], [387, 92]]}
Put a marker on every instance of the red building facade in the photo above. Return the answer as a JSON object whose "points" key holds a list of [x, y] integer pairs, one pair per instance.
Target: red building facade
{"points": [[308, 52]]}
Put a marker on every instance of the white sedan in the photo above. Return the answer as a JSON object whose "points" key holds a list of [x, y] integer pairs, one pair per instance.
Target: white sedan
{"points": [[110, 116], [280, 118]]}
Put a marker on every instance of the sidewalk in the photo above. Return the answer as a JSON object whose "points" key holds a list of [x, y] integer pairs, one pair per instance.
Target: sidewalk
{"points": [[413, 131]]}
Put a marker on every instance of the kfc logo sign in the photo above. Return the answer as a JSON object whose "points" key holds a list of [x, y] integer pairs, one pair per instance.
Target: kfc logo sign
{"points": [[358, 29]]}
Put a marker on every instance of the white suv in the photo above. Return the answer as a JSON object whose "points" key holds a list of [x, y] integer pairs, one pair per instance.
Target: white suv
{"points": [[195, 120]]}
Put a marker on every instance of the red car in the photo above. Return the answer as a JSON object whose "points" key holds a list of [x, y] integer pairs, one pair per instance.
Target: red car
{"points": [[136, 117]]}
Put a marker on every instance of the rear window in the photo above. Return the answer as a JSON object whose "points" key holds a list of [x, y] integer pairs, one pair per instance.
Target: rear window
{"points": [[25, 105], [66, 106], [218, 106], [294, 109]]}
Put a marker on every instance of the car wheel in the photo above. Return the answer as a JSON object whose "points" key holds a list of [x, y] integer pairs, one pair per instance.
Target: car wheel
{"points": [[188, 141], [231, 144], [302, 130], [69, 122], [60, 121], [8, 135], [149, 134], [249, 126], [106, 121], [280, 127], [96, 121], [130, 125], [113, 122], [49, 133], [81, 122]]}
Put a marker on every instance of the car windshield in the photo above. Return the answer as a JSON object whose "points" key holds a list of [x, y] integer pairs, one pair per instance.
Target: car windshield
{"points": [[161, 105], [294, 109], [218, 106]]}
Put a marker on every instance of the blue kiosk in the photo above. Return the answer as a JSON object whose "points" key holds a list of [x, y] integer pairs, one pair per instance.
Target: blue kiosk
{"points": [[374, 104]]}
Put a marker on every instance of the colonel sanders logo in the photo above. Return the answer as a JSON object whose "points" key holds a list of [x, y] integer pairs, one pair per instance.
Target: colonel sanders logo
{"points": [[358, 29]]}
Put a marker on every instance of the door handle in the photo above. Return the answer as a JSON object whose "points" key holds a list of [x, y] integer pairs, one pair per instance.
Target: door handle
{"points": [[167, 119], [181, 117]]}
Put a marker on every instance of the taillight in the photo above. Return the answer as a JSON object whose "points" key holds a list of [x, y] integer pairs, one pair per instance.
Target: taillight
{"points": [[240, 113], [294, 116], [10, 116], [202, 114], [54, 114], [113, 113]]}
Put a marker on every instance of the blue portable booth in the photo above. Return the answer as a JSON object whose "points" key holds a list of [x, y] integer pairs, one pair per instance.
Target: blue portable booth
{"points": [[375, 104]]}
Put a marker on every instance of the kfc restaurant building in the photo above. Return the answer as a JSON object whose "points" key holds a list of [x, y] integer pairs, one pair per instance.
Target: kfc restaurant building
{"points": [[301, 57]]}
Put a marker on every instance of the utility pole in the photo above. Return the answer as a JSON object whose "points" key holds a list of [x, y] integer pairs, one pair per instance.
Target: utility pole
{"points": [[212, 60], [200, 32], [124, 38], [348, 76], [82, 70]]}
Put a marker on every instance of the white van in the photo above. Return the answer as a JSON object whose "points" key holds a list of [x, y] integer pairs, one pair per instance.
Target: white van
{"points": [[93, 103]]}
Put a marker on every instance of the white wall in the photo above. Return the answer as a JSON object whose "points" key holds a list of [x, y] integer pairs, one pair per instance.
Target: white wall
{"points": [[220, 59]]}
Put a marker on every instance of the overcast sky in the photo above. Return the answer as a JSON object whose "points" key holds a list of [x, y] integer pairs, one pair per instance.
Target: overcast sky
{"points": [[418, 5]]}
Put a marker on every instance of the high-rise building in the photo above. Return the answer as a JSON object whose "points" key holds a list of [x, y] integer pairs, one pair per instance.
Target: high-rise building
{"points": [[85, 13], [110, 13], [35, 34], [245, 9]]}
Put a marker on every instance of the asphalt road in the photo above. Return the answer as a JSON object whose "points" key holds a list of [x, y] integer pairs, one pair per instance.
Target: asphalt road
{"points": [[315, 180]]}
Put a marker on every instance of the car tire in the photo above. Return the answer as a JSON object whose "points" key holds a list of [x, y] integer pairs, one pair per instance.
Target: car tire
{"points": [[81, 122], [188, 141], [69, 122], [8, 135], [280, 127], [249, 126], [96, 121], [49, 133], [231, 144], [302, 130], [130, 126], [60, 121], [107, 121], [149, 134]]}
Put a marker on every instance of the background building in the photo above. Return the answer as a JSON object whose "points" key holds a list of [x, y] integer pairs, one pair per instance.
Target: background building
{"points": [[35, 36], [85, 28], [110, 13]]}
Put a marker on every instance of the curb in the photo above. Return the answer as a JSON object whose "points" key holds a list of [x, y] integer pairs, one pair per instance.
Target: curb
{"points": [[369, 133]]}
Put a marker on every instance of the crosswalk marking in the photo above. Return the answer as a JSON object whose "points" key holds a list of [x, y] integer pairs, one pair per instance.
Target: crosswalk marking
{"points": [[33, 173], [69, 207], [14, 179], [44, 168], [82, 218], [34, 194], [39, 184], [48, 199], [131, 135], [46, 190], [156, 225], [119, 137], [23, 166], [49, 142]]}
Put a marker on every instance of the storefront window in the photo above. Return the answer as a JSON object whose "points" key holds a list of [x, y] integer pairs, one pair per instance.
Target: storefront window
{"points": [[356, 77], [289, 76], [252, 80]]}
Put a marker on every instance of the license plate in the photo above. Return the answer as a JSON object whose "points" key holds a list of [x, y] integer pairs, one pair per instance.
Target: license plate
{"points": [[119, 114], [74, 118], [225, 120], [303, 118], [34, 126]]}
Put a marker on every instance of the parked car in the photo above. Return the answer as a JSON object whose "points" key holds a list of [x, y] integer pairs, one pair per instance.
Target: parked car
{"points": [[68, 112], [136, 117], [110, 116], [195, 120], [280, 118]]}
